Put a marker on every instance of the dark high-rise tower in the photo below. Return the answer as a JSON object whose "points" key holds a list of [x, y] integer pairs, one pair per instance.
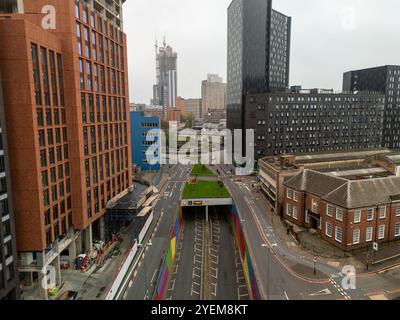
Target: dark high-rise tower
{"points": [[385, 79], [258, 54]]}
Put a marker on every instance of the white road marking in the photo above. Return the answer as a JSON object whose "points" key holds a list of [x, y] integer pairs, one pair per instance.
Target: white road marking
{"points": [[287, 297]]}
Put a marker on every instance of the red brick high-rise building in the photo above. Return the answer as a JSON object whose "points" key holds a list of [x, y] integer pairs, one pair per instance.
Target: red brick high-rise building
{"points": [[65, 85]]}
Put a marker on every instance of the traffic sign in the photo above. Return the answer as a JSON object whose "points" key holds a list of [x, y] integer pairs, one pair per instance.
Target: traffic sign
{"points": [[375, 246]]}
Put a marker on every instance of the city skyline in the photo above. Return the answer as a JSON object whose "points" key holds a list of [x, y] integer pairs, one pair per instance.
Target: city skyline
{"points": [[340, 44]]}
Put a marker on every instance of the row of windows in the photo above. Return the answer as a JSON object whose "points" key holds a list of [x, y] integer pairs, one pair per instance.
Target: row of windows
{"points": [[323, 98], [97, 110], [50, 117], [106, 136], [51, 137], [338, 212], [97, 78], [117, 185], [54, 155], [98, 48], [369, 233], [48, 82], [96, 22], [149, 125], [104, 167]]}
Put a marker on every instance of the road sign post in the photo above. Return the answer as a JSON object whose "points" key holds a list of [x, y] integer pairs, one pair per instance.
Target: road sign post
{"points": [[315, 262], [375, 248]]}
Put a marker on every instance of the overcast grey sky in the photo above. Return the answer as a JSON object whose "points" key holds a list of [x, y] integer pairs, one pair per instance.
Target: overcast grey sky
{"points": [[328, 38]]}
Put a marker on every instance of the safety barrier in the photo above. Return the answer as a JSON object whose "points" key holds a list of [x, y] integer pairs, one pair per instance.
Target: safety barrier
{"points": [[245, 255], [119, 280], [166, 268]]}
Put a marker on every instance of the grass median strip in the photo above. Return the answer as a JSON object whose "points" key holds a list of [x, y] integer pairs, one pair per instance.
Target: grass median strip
{"points": [[205, 189], [201, 171]]}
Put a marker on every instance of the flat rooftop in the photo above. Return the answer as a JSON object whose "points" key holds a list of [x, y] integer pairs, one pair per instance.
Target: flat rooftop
{"points": [[130, 200], [326, 156], [359, 173]]}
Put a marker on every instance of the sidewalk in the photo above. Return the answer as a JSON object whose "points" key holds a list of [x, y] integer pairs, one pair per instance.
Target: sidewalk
{"points": [[157, 178], [94, 284]]}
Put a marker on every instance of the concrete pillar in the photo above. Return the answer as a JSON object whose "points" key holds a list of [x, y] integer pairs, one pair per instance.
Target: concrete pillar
{"points": [[206, 213], [72, 254], [42, 289], [56, 265], [102, 228], [78, 244], [89, 240], [20, 6]]}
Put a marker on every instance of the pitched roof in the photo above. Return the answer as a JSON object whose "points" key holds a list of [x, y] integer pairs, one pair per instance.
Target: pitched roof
{"points": [[364, 193], [347, 193], [315, 182]]}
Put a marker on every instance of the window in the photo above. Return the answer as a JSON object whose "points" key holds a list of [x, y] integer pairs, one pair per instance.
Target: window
{"points": [[6, 230], [338, 234], [307, 218], [397, 230], [289, 194], [43, 159], [381, 232], [10, 272], [60, 79], [398, 211], [76, 9], [36, 75], [296, 196], [370, 214], [329, 210], [53, 78], [356, 236], [295, 212], [339, 214], [357, 216], [369, 234], [42, 141], [45, 76], [4, 210], [314, 205], [328, 230], [382, 212], [288, 209]]}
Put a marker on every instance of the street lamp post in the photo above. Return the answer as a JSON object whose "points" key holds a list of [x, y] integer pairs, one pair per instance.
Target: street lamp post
{"points": [[315, 264]]}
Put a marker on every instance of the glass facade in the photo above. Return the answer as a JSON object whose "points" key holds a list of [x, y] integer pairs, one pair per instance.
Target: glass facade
{"points": [[258, 54], [299, 122], [386, 80]]}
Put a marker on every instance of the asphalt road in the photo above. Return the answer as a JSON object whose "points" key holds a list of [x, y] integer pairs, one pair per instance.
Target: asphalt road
{"points": [[277, 279], [188, 282], [166, 210], [182, 287]]}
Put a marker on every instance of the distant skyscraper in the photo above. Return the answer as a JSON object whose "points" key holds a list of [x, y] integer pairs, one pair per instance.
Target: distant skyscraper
{"points": [[193, 106], [165, 90], [258, 54], [213, 94], [385, 79]]}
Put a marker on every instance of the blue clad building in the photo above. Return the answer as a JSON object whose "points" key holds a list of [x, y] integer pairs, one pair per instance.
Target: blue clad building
{"points": [[142, 141]]}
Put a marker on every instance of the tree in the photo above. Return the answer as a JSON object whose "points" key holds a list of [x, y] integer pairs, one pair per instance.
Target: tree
{"points": [[188, 120]]}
